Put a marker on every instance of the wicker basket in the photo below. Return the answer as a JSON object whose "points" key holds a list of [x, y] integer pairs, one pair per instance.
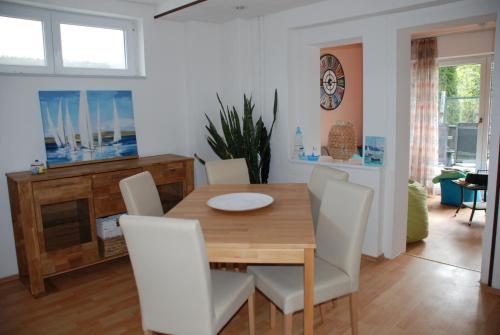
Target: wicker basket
{"points": [[112, 246], [342, 140]]}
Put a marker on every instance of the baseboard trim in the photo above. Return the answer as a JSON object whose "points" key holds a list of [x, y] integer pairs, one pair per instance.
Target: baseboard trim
{"points": [[490, 290], [373, 258], [8, 279]]}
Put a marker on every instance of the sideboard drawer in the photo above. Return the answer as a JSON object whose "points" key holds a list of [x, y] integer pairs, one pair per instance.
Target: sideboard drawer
{"points": [[109, 204], [64, 189], [168, 173], [108, 182]]}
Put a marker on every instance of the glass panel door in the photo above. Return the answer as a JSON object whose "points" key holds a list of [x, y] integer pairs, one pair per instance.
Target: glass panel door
{"points": [[464, 87], [66, 224], [170, 195]]}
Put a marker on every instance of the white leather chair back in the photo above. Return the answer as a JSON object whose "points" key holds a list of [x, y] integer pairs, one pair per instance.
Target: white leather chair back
{"points": [[141, 195], [227, 171], [317, 182], [172, 274], [342, 222]]}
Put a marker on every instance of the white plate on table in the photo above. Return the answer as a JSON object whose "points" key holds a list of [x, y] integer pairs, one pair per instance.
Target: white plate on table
{"points": [[240, 202]]}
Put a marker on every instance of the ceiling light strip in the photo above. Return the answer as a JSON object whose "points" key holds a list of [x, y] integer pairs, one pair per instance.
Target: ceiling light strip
{"points": [[179, 8]]}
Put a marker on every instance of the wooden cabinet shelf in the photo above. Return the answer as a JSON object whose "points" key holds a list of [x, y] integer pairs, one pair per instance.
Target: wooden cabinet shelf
{"points": [[54, 213]]}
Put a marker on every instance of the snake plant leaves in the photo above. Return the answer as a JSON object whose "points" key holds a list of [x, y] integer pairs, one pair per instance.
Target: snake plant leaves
{"points": [[243, 140]]}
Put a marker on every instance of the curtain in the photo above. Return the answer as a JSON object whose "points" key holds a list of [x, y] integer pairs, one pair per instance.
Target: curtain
{"points": [[424, 112]]}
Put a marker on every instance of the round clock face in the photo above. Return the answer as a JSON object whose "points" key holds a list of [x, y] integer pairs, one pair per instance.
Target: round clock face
{"points": [[332, 82]]}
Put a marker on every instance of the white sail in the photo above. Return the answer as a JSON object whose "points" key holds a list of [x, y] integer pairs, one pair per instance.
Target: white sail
{"points": [[70, 132], [99, 135], [52, 129], [117, 132], [60, 124], [86, 137]]}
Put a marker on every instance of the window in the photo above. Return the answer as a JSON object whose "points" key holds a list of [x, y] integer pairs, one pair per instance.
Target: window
{"points": [[32, 52], [35, 40], [464, 110], [91, 47]]}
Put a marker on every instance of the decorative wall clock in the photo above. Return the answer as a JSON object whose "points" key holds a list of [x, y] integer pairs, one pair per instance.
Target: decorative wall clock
{"points": [[332, 82]]}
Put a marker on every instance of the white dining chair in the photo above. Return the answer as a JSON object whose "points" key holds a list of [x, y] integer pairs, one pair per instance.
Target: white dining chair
{"points": [[342, 224], [316, 185], [227, 171], [141, 195], [178, 293]]}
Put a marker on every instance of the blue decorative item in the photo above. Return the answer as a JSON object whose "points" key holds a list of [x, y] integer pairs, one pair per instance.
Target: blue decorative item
{"points": [[374, 150]]}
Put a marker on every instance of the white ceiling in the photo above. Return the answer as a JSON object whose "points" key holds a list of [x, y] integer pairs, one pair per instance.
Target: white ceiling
{"points": [[219, 11]]}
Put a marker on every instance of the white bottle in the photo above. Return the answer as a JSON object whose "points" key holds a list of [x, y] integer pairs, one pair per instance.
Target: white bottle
{"points": [[298, 144]]}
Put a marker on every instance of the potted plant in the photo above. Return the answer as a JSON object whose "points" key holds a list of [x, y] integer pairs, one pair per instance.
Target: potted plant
{"points": [[243, 139]]}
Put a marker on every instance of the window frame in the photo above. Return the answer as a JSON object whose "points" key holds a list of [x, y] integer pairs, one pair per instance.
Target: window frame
{"points": [[31, 13], [484, 113], [129, 31], [51, 21]]}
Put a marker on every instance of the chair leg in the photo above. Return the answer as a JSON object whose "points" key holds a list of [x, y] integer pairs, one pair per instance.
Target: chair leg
{"points": [[353, 300], [251, 314], [334, 303], [287, 324], [272, 315]]}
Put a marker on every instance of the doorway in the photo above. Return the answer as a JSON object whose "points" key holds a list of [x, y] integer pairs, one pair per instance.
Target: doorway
{"points": [[464, 108]]}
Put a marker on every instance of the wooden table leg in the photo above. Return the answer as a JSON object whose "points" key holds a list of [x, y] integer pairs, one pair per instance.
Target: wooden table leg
{"points": [[473, 207], [308, 291]]}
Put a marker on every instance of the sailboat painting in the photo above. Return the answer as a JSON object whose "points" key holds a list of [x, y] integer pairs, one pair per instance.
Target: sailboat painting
{"points": [[85, 126]]}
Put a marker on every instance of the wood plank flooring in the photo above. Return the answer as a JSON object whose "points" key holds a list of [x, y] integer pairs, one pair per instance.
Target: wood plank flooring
{"points": [[407, 295], [451, 240]]}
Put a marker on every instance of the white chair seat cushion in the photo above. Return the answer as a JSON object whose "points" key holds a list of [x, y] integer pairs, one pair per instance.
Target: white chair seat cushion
{"points": [[284, 285], [230, 290]]}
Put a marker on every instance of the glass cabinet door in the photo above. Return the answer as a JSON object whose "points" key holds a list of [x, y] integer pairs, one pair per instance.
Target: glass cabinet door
{"points": [[66, 224]]}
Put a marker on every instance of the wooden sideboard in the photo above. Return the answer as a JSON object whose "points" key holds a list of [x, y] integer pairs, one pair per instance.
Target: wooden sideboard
{"points": [[54, 213]]}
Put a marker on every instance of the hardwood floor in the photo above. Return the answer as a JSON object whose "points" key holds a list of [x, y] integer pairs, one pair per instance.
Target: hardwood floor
{"points": [[451, 240], [407, 295]]}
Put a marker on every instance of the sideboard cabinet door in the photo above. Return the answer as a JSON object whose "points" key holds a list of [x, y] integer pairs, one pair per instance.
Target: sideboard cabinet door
{"points": [[65, 223]]}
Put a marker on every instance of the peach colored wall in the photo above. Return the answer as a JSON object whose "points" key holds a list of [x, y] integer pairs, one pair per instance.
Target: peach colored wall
{"points": [[351, 108]]}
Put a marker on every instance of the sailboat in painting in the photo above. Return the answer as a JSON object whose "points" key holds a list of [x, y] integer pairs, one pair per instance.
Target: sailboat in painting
{"points": [[60, 125], [70, 132], [52, 129], [89, 125], [99, 129], [86, 136], [117, 132]]}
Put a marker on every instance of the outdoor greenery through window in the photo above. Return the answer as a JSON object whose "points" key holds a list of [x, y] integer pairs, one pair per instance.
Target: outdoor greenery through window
{"points": [[459, 96], [460, 89]]}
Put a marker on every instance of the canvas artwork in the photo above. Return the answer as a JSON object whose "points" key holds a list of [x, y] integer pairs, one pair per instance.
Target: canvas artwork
{"points": [[84, 126], [374, 150]]}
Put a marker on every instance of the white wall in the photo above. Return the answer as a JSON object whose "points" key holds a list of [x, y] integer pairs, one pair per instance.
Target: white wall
{"points": [[221, 59], [159, 107]]}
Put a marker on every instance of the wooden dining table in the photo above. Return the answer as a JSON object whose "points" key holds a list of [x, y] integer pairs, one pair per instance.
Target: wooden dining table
{"points": [[281, 233]]}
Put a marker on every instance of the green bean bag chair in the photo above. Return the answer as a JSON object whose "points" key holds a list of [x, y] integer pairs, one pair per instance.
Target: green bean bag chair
{"points": [[418, 218]]}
